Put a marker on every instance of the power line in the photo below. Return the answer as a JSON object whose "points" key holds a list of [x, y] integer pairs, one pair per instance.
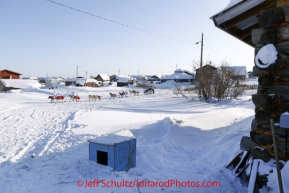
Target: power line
{"points": [[115, 22], [163, 12], [233, 60], [213, 49], [141, 16]]}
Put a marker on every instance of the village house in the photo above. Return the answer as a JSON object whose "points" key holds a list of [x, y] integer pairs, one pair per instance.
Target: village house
{"points": [[239, 72], [102, 78], [113, 78], [209, 69], [89, 82], [139, 78], [8, 74], [154, 78]]}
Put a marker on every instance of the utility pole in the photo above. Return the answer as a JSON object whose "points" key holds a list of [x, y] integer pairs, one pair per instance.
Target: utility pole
{"points": [[85, 78], [199, 77], [76, 71], [202, 43]]}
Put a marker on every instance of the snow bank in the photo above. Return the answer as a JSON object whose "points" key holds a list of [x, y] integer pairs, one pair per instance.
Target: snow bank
{"points": [[20, 83], [44, 146]]}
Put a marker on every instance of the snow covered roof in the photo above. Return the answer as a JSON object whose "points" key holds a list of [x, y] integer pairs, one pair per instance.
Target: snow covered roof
{"points": [[138, 76], [235, 8], [20, 83], [123, 78], [104, 76], [71, 79], [177, 76], [178, 71], [110, 139], [232, 3], [83, 81], [10, 71], [240, 17]]}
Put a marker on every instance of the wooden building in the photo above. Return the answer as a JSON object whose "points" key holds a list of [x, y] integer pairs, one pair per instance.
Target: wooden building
{"points": [[209, 69], [70, 81], [263, 24], [8, 74], [239, 18]]}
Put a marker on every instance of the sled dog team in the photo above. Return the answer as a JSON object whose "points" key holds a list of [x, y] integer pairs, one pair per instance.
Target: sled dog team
{"points": [[123, 94], [94, 97]]}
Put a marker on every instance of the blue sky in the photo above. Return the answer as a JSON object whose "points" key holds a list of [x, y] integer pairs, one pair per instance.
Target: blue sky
{"points": [[40, 38]]}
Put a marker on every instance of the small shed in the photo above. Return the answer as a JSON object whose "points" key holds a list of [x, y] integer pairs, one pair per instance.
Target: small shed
{"points": [[118, 152], [123, 81]]}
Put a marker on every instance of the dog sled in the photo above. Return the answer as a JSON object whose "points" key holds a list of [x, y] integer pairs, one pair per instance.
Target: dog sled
{"points": [[148, 91]]}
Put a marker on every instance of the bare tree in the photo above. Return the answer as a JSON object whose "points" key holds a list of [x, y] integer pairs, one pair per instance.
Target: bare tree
{"points": [[177, 90], [222, 83], [205, 83], [196, 65]]}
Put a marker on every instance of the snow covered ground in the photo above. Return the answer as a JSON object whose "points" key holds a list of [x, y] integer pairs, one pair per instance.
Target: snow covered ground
{"points": [[44, 148]]}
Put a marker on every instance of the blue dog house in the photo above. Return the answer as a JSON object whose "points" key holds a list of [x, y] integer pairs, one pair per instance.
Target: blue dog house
{"points": [[118, 152]]}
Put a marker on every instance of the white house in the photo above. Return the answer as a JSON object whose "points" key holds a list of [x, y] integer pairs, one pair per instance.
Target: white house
{"points": [[238, 71], [53, 82], [102, 78], [178, 76]]}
